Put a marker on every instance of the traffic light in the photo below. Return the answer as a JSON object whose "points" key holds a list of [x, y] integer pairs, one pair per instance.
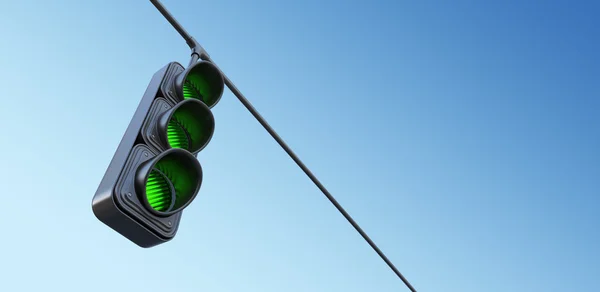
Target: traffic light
{"points": [[154, 174]]}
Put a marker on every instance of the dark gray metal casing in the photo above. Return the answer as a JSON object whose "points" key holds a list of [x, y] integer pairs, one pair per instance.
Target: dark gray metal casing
{"points": [[115, 202]]}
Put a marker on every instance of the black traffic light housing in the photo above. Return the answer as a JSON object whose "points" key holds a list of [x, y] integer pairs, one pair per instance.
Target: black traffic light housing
{"points": [[154, 174]]}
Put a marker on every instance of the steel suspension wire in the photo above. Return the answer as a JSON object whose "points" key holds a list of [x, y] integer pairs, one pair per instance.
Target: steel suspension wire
{"points": [[199, 52], [310, 175]]}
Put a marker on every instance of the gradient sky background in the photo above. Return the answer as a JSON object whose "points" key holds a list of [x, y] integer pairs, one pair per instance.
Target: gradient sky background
{"points": [[462, 135]]}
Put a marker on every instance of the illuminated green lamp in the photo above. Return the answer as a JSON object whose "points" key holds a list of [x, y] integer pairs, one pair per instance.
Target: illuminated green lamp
{"points": [[188, 125], [169, 182], [202, 81]]}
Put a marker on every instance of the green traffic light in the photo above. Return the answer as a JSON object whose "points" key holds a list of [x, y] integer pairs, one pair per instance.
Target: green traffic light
{"points": [[202, 81], [188, 125], [170, 181]]}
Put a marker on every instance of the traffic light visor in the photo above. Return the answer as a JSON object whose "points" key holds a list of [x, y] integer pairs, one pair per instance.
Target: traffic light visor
{"points": [[169, 182], [189, 125], [202, 81]]}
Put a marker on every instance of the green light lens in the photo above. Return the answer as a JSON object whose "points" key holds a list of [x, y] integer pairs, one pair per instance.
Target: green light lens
{"points": [[177, 134], [190, 126], [203, 82], [195, 88], [172, 183], [159, 191]]}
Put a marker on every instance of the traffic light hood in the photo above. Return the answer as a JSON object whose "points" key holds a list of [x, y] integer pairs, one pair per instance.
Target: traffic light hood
{"points": [[202, 81], [188, 125], [169, 182]]}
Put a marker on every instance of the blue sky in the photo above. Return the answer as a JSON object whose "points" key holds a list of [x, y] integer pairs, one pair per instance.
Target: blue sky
{"points": [[463, 136]]}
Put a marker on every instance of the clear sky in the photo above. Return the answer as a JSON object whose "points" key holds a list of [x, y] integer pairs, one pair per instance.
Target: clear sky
{"points": [[462, 135]]}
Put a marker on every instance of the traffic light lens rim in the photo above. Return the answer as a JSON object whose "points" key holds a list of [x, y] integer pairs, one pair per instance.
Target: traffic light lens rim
{"points": [[200, 115], [214, 75], [188, 166]]}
